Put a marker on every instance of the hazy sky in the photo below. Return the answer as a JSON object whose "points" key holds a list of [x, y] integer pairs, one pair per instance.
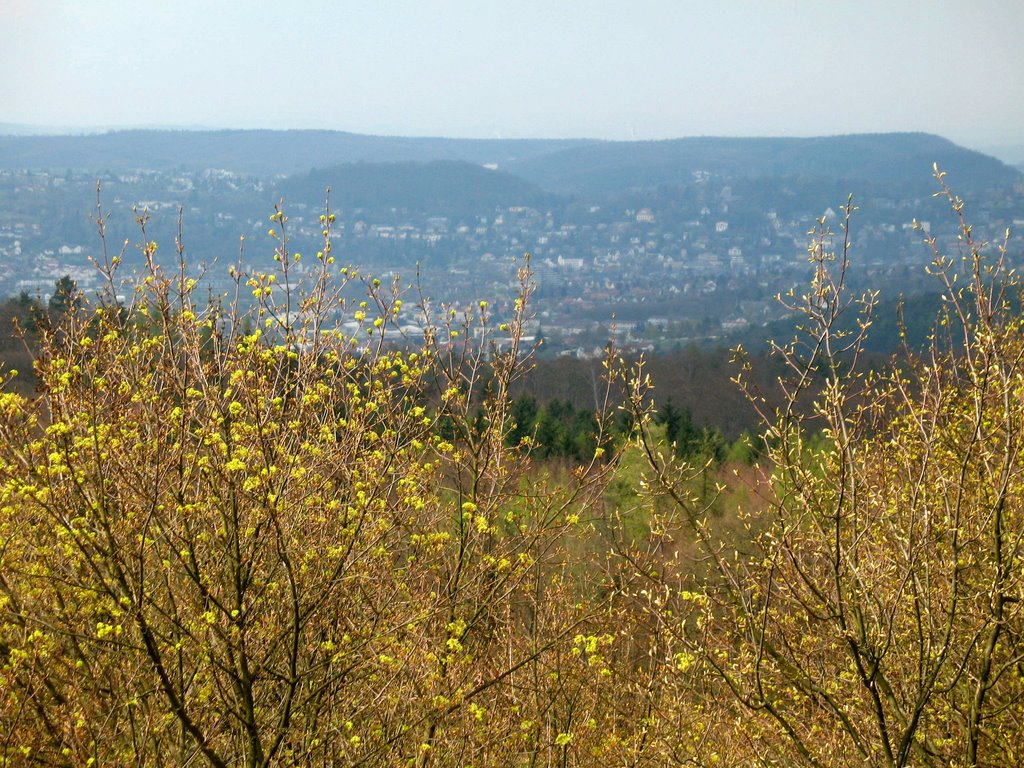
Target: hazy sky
{"points": [[521, 68]]}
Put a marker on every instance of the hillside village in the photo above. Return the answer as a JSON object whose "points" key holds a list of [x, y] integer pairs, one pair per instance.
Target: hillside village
{"points": [[698, 261]]}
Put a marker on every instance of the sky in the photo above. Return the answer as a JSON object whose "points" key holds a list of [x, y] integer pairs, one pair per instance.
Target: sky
{"points": [[622, 69]]}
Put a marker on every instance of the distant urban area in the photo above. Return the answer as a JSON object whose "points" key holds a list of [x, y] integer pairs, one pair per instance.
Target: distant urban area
{"points": [[697, 258]]}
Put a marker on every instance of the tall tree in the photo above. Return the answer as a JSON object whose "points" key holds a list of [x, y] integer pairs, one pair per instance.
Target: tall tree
{"points": [[65, 297]]}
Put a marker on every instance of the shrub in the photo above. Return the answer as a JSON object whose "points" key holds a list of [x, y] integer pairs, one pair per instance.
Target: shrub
{"points": [[872, 615], [233, 532]]}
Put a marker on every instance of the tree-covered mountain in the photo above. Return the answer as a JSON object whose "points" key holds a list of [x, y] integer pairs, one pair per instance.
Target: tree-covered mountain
{"points": [[253, 151], [892, 158], [580, 166], [437, 188]]}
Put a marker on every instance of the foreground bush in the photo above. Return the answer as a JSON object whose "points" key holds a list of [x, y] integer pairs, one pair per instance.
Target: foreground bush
{"points": [[872, 615], [237, 535]]}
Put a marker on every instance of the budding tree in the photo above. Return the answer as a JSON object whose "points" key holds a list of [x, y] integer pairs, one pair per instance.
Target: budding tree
{"points": [[245, 532], [871, 613]]}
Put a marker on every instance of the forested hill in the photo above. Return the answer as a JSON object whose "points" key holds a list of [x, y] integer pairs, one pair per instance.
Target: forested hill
{"points": [[255, 152], [438, 188], [890, 158], [567, 166]]}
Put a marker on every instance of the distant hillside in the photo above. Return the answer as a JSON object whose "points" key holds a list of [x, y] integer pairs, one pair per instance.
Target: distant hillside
{"points": [[439, 188], [893, 158], [896, 321], [253, 152], [578, 166]]}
